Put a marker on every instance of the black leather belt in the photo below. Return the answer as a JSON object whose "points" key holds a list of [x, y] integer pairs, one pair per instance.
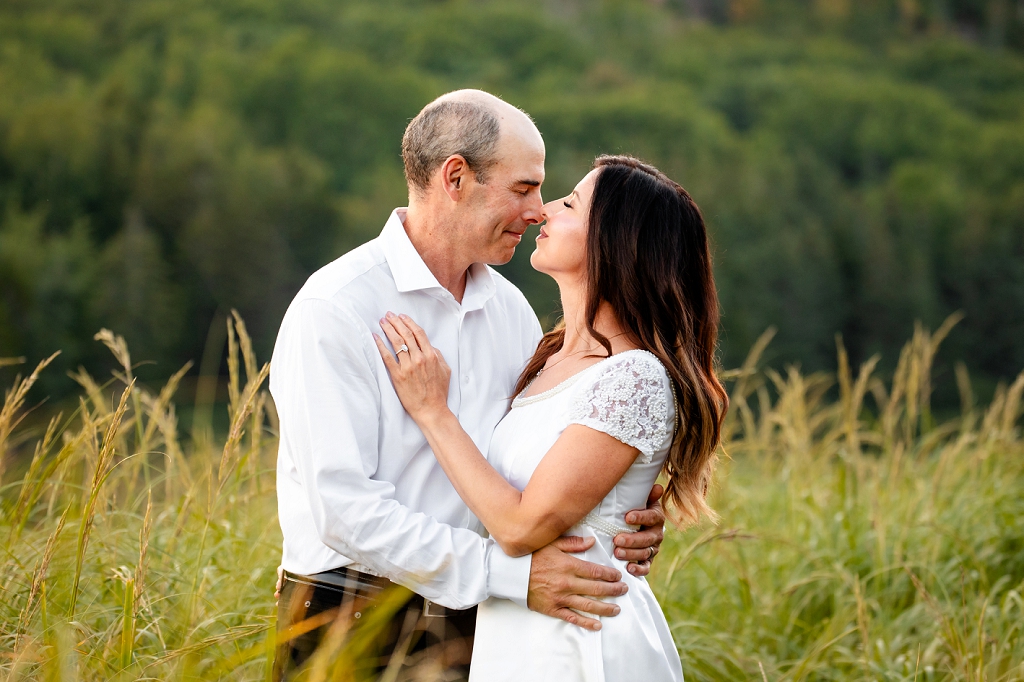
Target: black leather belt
{"points": [[347, 581]]}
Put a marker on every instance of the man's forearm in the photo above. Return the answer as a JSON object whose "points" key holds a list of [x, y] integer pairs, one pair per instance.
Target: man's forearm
{"points": [[451, 566]]}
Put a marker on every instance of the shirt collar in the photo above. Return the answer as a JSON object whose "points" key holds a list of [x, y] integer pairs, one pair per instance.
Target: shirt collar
{"points": [[479, 287], [407, 267], [412, 274]]}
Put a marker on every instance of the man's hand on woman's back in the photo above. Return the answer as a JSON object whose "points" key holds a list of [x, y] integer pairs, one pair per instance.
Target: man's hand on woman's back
{"points": [[562, 585]]}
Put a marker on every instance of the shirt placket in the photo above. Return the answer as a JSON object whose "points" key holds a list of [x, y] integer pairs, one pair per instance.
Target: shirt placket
{"points": [[462, 377], [455, 362], [465, 359]]}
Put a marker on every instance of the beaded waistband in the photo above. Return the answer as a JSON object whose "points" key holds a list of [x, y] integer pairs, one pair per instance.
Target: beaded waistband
{"points": [[605, 526]]}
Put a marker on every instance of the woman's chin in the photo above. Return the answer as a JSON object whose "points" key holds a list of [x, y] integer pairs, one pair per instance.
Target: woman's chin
{"points": [[537, 263]]}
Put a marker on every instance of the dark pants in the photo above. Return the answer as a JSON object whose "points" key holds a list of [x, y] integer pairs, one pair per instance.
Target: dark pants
{"points": [[347, 614]]}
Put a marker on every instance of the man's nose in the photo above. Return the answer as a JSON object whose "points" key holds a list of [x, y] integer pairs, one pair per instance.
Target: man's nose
{"points": [[535, 212]]}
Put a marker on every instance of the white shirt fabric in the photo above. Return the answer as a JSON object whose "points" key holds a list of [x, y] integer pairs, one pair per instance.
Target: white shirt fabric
{"points": [[357, 483]]}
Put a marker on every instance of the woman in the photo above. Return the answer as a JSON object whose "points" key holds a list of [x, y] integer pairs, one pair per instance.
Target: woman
{"points": [[622, 390]]}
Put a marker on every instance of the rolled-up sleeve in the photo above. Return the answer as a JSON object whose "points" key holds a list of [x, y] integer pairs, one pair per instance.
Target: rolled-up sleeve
{"points": [[325, 386]]}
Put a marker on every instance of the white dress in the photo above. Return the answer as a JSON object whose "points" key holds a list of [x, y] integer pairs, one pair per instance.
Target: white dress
{"points": [[629, 397]]}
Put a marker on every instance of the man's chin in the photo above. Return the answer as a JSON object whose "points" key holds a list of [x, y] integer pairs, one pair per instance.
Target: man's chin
{"points": [[501, 257]]}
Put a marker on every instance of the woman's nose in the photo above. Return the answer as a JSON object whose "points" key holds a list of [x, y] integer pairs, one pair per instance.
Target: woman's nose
{"points": [[548, 210]]}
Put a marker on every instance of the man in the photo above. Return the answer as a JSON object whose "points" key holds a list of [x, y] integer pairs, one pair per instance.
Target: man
{"points": [[362, 501]]}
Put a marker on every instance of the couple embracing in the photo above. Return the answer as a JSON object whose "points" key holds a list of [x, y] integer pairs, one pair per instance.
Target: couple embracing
{"points": [[433, 437]]}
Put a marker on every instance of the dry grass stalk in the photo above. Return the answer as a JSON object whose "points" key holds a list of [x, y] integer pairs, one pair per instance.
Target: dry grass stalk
{"points": [[245, 341], [1011, 408], [41, 450], [144, 533], [248, 402], [119, 348], [233, 373], [102, 470], [133, 589], [742, 389], [95, 392], [39, 577], [245, 402], [156, 406], [14, 400], [928, 352], [40, 472], [963, 385], [161, 418], [852, 394]]}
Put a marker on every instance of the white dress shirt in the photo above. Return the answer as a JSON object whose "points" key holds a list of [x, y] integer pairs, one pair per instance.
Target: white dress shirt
{"points": [[357, 484]]}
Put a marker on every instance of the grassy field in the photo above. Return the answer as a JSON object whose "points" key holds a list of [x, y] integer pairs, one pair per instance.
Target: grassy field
{"points": [[859, 540]]}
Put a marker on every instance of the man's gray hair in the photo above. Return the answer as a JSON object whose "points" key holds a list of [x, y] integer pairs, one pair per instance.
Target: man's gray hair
{"points": [[445, 128]]}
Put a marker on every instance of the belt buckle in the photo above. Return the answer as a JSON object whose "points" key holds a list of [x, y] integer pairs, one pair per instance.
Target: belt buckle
{"points": [[432, 610]]}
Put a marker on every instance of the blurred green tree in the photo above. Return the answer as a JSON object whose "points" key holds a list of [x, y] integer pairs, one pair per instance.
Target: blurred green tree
{"points": [[861, 165]]}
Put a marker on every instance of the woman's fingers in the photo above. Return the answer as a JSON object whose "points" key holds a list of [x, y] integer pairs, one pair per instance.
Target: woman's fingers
{"points": [[397, 340], [635, 555], [641, 539], [648, 518], [417, 332], [639, 569], [389, 360], [404, 334]]}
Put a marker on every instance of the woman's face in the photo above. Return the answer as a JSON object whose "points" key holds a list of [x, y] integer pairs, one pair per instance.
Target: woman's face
{"points": [[562, 242]]}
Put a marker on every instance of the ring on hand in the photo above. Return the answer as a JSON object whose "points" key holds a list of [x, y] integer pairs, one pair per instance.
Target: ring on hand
{"points": [[403, 349], [651, 549]]}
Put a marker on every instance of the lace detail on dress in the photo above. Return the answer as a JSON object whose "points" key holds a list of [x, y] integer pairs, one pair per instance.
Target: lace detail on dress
{"points": [[630, 402]]}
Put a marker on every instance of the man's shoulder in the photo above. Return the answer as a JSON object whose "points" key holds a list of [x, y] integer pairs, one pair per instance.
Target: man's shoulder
{"points": [[336, 281]]}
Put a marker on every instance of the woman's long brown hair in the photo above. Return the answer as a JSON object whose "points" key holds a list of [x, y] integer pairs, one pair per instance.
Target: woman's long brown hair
{"points": [[648, 258]]}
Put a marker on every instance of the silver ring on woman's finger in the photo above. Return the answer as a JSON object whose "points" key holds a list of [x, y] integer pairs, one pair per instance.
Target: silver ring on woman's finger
{"points": [[403, 349]]}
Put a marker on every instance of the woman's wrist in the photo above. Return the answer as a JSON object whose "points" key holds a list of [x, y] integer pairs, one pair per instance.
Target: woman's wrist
{"points": [[432, 419]]}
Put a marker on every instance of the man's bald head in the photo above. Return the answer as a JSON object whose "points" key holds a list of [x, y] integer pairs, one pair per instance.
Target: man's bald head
{"points": [[464, 122]]}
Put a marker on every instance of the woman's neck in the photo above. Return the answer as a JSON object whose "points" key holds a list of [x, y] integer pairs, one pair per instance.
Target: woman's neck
{"points": [[577, 337]]}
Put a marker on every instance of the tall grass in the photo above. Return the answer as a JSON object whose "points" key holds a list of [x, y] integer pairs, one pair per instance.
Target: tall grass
{"points": [[859, 538], [169, 572]]}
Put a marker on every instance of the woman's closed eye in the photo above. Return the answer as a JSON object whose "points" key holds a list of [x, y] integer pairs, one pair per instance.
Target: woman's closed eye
{"points": [[566, 204]]}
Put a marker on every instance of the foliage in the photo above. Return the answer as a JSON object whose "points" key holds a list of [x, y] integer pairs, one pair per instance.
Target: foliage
{"points": [[859, 538], [860, 164]]}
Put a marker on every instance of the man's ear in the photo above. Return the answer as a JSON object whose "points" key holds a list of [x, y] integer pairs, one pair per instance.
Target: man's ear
{"points": [[455, 174]]}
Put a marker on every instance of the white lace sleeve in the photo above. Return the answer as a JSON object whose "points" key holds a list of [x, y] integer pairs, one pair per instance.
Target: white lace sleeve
{"points": [[630, 401]]}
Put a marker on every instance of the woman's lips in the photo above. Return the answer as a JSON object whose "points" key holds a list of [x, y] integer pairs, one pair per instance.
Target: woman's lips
{"points": [[542, 234]]}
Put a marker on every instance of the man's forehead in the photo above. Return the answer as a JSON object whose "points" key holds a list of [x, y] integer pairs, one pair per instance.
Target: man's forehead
{"points": [[523, 157], [524, 170]]}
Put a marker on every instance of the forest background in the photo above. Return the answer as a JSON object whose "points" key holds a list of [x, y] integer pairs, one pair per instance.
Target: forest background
{"points": [[861, 167], [860, 164]]}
